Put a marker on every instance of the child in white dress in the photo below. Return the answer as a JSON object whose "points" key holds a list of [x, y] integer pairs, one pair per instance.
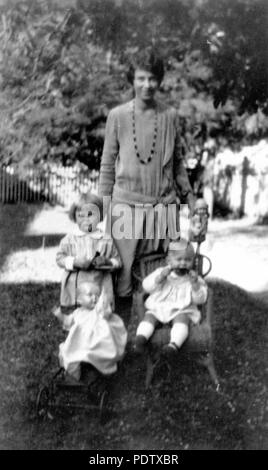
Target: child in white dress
{"points": [[97, 336], [175, 291]]}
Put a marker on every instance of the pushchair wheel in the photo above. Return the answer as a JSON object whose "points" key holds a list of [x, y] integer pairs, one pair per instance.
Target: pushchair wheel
{"points": [[103, 406], [42, 402]]}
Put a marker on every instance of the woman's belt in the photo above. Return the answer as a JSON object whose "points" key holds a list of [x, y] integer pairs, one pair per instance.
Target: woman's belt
{"points": [[130, 197]]}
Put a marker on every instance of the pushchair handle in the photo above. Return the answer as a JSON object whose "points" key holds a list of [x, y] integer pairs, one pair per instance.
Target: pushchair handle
{"points": [[199, 264]]}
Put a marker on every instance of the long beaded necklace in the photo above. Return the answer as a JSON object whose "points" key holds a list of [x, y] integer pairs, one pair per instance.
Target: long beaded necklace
{"points": [[144, 162]]}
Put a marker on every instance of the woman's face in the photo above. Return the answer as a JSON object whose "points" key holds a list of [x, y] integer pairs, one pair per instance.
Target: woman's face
{"points": [[145, 85]]}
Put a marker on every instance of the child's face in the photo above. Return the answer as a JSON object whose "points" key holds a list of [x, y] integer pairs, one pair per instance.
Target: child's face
{"points": [[201, 207], [88, 296], [87, 217], [201, 211], [181, 261]]}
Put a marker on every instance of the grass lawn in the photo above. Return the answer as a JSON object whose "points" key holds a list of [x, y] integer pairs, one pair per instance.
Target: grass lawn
{"points": [[185, 413]]}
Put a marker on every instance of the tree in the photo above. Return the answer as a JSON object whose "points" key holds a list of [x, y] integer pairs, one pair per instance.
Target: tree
{"points": [[236, 51], [63, 67], [53, 80]]}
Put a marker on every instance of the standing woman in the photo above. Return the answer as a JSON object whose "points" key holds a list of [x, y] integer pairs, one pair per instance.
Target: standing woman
{"points": [[141, 167]]}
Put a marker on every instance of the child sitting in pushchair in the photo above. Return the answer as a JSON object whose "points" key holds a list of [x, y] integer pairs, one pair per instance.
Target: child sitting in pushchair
{"points": [[96, 336], [174, 292]]}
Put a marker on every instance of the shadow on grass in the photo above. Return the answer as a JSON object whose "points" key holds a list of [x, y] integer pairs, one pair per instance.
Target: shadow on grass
{"points": [[184, 413]]}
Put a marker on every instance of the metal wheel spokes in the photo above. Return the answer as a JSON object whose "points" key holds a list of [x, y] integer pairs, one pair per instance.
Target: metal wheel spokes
{"points": [[42, 402], [103, 405]]}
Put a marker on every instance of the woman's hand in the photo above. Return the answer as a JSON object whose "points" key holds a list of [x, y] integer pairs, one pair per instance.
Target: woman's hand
{"points": [[190, 200]]}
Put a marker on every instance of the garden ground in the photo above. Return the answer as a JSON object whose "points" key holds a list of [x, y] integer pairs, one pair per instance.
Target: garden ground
{"points": [[185, 413]]}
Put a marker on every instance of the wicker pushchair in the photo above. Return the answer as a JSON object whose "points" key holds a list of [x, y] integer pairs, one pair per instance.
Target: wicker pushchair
{"points": [[199, 345]]}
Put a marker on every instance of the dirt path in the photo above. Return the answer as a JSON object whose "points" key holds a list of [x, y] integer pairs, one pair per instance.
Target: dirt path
{"points": [[239, 252]]}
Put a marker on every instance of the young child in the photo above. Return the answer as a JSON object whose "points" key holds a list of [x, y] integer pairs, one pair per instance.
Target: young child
{"points": [[199, 222], [85, 250], [96, 335], [175, 291]]}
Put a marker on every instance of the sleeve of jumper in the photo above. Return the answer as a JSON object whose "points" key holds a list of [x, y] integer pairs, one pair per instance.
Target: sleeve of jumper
{"points": [[200, 295], [180, 172], [109, 154], [63, 256], [149, 283]]}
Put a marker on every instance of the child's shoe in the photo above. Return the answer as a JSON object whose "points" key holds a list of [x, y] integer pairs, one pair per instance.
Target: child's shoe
{"points": [[89, 374], [140, 344], [169, 351]]}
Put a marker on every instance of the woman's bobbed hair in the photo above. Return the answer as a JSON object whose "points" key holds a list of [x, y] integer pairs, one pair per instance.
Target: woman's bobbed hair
{"points": [[149, 60]]}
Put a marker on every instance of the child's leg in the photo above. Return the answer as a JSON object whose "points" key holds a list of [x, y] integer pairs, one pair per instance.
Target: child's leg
{"points": [[147, 326], [145, 331], [180, 330]]}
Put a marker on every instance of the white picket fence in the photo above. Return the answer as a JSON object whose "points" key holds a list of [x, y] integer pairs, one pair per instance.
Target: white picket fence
{"points": [[56, 184]]}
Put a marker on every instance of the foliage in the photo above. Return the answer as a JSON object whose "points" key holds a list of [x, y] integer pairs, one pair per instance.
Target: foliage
{"points": [[62, 68], [55, 79], [236, 49]]}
